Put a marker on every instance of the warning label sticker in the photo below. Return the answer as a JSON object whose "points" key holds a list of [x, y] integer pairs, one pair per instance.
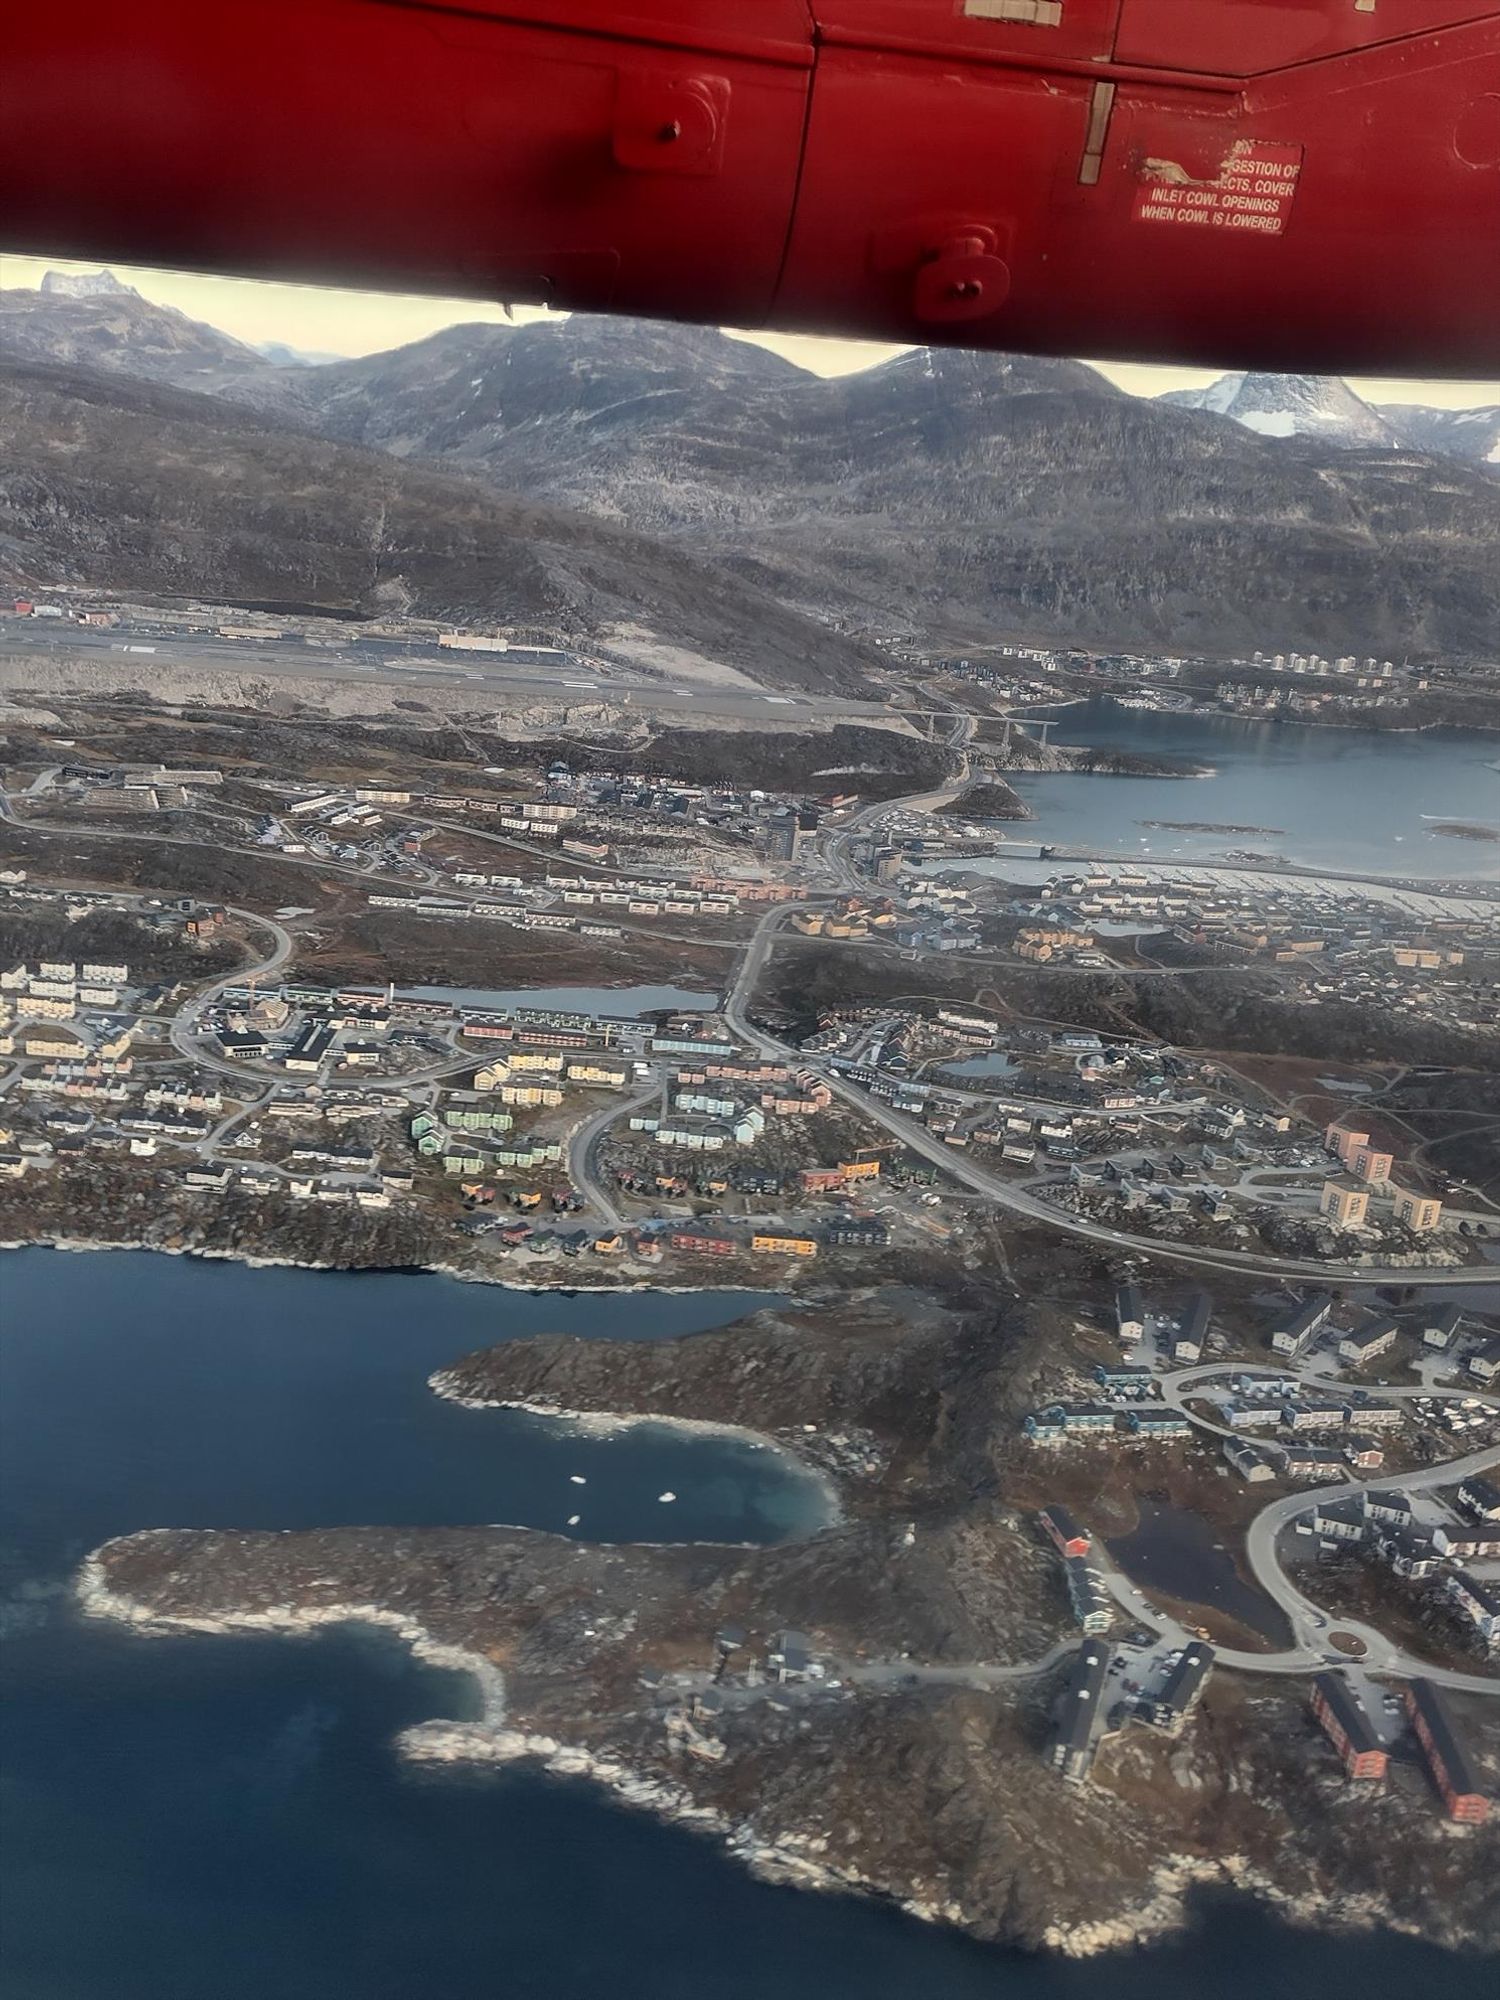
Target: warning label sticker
{"points": [[1252, 195]]}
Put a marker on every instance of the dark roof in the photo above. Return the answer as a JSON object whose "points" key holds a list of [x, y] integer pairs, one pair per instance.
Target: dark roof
{"points": [[1347, 1712], [1128, 1302], [1195, 1320], [1090, 1677], [1451, 1754], [1302, 1317], [1369, 1336], [1062, 1522], [1188, 1673], [1484, 1593]]}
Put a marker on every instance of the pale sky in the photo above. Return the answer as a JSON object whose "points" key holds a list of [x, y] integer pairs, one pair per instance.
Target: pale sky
{"points": [[322, 320]]}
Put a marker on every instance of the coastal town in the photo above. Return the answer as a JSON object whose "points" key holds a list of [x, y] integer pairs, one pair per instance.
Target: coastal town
{"points": [[730, 1120], [576, 1013]]}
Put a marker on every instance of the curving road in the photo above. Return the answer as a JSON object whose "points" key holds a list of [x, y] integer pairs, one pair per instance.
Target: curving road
{"points": [[1007, 1195], [585, 1138], [1308, 1620], [185, 1021]]}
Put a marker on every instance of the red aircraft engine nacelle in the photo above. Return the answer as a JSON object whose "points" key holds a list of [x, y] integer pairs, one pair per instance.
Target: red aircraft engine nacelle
{"points": [[1278, 183]]}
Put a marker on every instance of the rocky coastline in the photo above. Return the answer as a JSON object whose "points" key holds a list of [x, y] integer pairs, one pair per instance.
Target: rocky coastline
{"points": [[914, 1769], [608, 1279]]}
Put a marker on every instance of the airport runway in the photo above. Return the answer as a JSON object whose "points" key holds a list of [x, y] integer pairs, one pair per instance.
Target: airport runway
{"points": [[409, 668]]}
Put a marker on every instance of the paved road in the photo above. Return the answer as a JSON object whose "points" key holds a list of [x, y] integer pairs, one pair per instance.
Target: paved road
{"points": [[184, 1024], [1010, 962], [1019, 1200], [1310, 1624], [581, 1146], [888, 1674], [1311, 1649], [1188, 1381], [835, 848]]}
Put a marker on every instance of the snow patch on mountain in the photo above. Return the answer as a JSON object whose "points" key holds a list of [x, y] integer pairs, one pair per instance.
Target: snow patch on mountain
{"points": [[1320, 406]]}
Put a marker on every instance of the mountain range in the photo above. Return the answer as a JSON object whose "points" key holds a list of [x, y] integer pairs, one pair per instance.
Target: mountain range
{"points": [[959, 495], [151, 491]]}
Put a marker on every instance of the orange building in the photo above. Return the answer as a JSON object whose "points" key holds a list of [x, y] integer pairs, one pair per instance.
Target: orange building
{"points": [[785, 1246], [1344, 1202], [1421, 1213]]}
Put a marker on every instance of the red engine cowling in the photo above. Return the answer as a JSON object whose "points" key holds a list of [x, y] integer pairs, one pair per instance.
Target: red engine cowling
{"points": [[1310, 184]]}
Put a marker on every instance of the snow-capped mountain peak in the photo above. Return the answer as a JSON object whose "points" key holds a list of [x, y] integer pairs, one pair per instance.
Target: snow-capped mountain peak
{"points": [[85, 285], [1320, 406]]}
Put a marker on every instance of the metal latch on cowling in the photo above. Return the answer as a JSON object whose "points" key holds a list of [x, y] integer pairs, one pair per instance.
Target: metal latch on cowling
{"points": [[668, 124], [961, 278]]}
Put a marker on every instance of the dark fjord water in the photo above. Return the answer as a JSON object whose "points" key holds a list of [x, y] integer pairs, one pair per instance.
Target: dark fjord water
{"points": [[195, 1817]]}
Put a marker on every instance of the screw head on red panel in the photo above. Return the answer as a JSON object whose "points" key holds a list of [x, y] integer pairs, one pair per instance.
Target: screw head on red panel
{"points": [[965, 280]]}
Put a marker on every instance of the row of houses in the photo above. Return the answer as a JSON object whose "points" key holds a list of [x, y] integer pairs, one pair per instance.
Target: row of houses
{"points": [[1367, 1165], [649, 1245], [1188, 1340], [1067, 1423], [1383, 1523], [853, 1231], [1087, 1593]]}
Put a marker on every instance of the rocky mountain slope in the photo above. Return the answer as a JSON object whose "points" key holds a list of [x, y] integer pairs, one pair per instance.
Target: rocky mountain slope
{"points": [[948, 491], [958, 494], [130, 486], [1472, 434], [93, 321]]}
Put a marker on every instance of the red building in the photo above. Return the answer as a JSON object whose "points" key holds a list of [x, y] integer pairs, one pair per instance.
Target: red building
{"points": [[1447, 1761], [1067, 1536], [1348, 1728], [697, 1243]]}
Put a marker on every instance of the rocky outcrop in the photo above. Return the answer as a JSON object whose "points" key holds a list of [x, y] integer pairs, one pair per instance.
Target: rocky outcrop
{"points": [[913, 1763]]}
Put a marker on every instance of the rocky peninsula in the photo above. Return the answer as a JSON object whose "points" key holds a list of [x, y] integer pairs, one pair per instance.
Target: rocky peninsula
{"points": [[912, 1764]]}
